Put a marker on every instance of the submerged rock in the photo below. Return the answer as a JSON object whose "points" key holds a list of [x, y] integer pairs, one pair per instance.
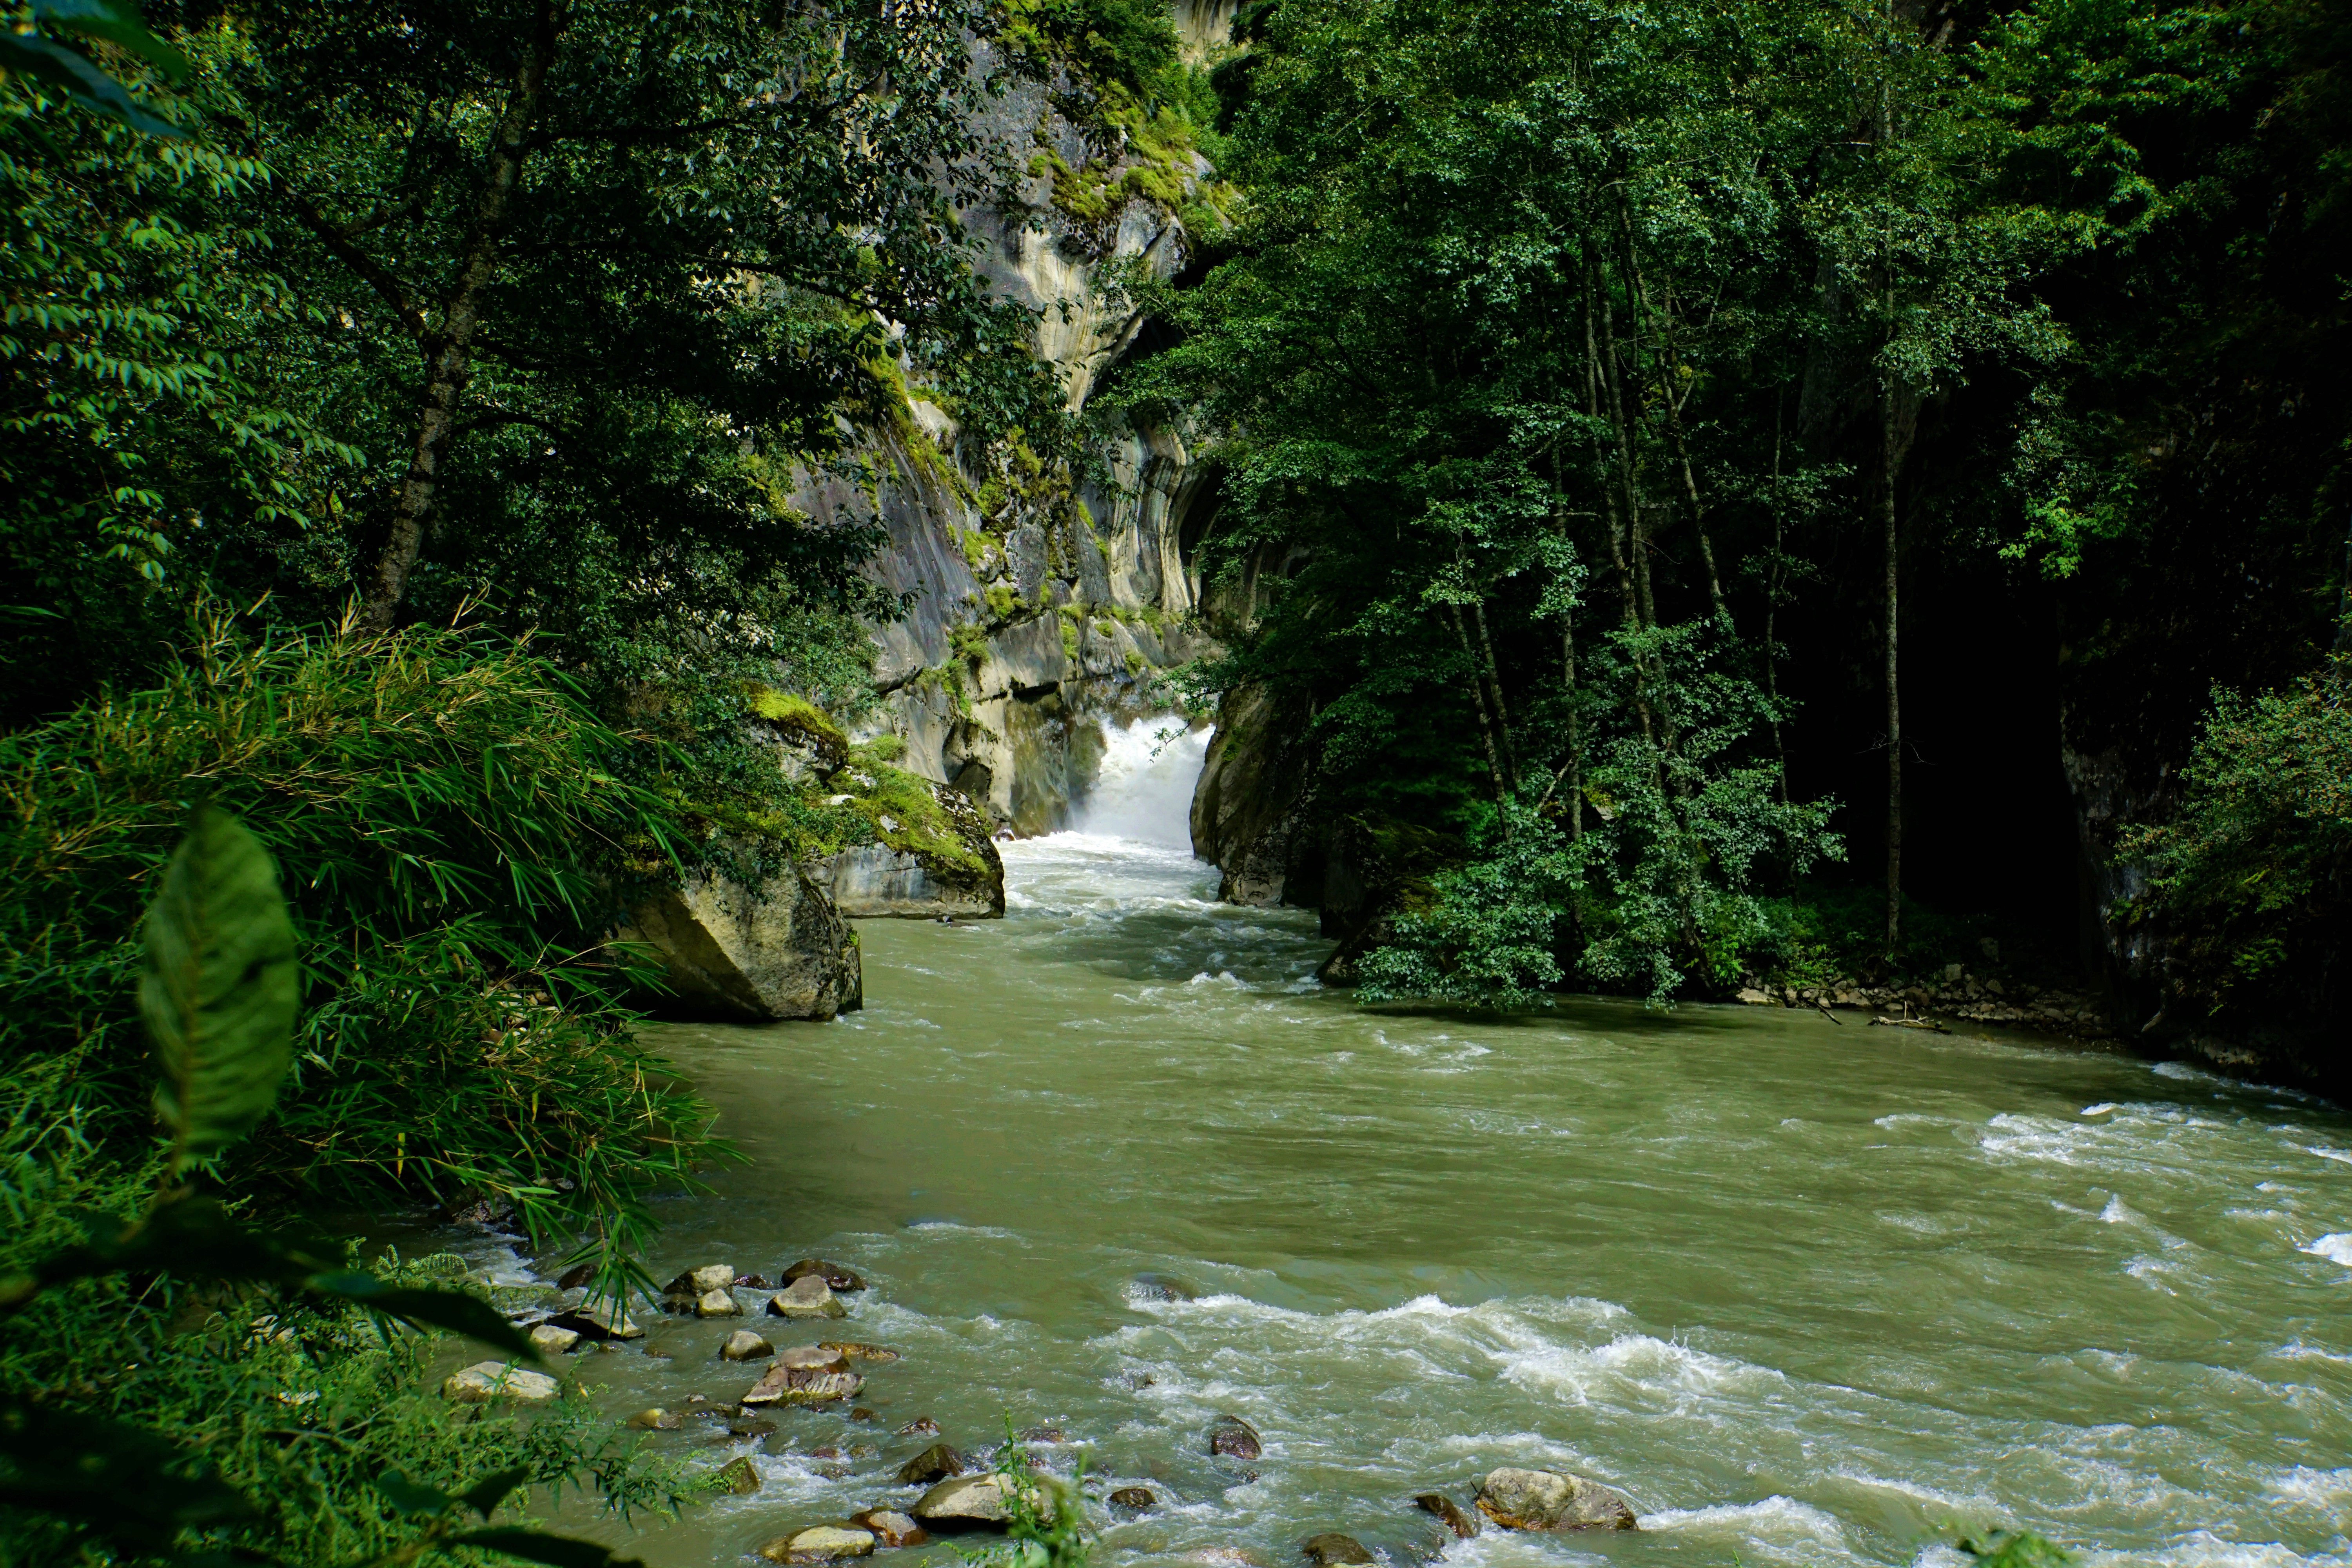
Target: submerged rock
{"points": [[607, 1321], [1552, 1499], [819, 1543], [1449, 1513], [1157, 1288], [737, 1478], [1132, 1497], [1332, 1549], [655, 1420], [890, 1528], [933, 1464], [853, 1350], [730, 952], [835, 1276], [920, 1427], [1234, 1438], [964, 1501], [745, 1345], [487, 1380], [807, 1297]]}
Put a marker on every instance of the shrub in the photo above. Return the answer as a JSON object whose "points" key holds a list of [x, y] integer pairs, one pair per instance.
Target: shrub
{"points": [[455, 829]]}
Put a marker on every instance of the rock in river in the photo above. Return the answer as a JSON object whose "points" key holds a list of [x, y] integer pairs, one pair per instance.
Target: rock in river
{"points": [[701, 1282], [655, 1420], [855, 1352], [1448, 1512], [1552, 1499], [549, 1340], [737, 1478], [820, 1543], [1334, 1550], [745, 1345], [1132, 1497], [733, 952], [487, 1380], [936, 1463], [963, 1502], [835, 1276], [1235, 1438], [807, 1297], [890, 1529], [805, 1375], [607, 1321], [717, 1304]]}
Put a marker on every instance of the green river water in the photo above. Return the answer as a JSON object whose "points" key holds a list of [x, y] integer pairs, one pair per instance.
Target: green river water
{"points": [[1806, 1293]]}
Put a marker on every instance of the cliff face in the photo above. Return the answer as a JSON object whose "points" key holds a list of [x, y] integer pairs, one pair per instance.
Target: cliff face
{"points": [[1034, 611]]}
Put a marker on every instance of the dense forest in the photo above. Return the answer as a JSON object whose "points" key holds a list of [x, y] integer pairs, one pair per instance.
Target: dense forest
{"points": [[1703, 493]]}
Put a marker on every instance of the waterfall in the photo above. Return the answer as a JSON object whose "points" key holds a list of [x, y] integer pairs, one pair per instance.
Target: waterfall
{"points": [[1144, 789]]}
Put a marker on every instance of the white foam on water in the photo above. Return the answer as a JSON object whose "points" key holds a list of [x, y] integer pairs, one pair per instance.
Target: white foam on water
{"points": [[2342, 1156], [2336, 1248], [1779, 1528], [2105, 1107]]}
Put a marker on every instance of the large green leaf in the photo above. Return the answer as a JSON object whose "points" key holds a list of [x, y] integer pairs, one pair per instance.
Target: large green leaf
{"points": [[124, 1481], [220, 986], [118, 23]]}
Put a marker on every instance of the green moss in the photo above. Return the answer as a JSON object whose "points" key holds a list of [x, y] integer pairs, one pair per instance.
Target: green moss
{"points": [[1134, 662], [1070, 637], [918, 823], [992, 497], [882, 748], [1003, 601], [1106, 626], [969, 642], [794, 712]]}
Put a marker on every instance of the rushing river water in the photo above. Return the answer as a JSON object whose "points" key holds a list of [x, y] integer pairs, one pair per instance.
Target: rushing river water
{"points": [[1806, 1293]]}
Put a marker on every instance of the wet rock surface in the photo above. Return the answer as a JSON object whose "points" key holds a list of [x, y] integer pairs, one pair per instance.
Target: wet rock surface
{"points": [[963, 1502], [1234, 1438], [890, 1529], [807, 1297], [496, 1379], [1133, 1497], [1448, 1512], [819, 1543], [745, 1345], [835, 1276], [736, 953], [935, 1463], [1552, 1499], [737, 1478], [1333, 1550]]}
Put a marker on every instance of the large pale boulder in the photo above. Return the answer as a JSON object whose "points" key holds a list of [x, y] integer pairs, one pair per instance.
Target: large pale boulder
{"points": [[1552, 1499], [730, 952], [487, 1380], [964, 1501]]}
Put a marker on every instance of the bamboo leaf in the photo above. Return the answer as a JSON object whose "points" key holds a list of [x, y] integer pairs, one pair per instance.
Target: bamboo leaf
{"points": [[220, 986], [537, 1546]]}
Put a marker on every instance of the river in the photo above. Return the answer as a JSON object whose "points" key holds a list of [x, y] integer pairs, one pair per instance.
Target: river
{"points": [[1805, 1292]]}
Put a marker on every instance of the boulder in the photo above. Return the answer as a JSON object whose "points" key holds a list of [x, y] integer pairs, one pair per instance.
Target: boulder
{"points": [[789, 1383], [655, 1420], [835, 1276], [1552, 1499], [737, 1478], [738, 954], [852, 1350], [963, 1502], [1449, 1513], [745, 1345], [576, 1276], [1132, 1497], [926, 875], [936, 1463], [1333, 1550], [549, 1340], [890, 1529], [717, 1304], [607, 1321], [819, 1543], [1234, 1438], [487, 1380], [807, 1297], [702, 1281], [920, 1427]]}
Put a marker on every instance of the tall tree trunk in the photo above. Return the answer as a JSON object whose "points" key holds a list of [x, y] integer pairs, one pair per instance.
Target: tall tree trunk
{"points": [[1486, 717], [1639, 536], [1893, 691], [1592, 379], [448, 350], [1773, 582], [1670, 361], [1495, 681]]}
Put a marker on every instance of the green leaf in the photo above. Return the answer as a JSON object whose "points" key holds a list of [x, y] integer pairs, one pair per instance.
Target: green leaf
{"points": [[485, 1495], [118, 23], [45, 60], [121, 1480], [452, 1310], [537, 1546], [413, 1497], [220, 986]]}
